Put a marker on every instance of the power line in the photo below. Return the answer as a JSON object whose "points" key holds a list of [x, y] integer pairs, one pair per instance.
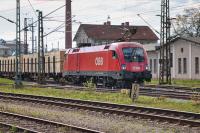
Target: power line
{"points": [[150, 11], [55, 10], [57, 28], [32, 8], [148, 23], [7, 10], [46, 15]]}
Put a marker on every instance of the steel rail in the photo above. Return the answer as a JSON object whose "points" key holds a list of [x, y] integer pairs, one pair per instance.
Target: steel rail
{"points": [[18, 128], [45, 122], [183, 118], [146, 91]]}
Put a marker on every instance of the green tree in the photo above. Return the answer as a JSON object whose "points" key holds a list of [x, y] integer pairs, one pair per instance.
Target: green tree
{"points": [[188, 23]]}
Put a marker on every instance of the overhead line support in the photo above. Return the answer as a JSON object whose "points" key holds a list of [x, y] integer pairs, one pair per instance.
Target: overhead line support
{"points": [[18, 77], [165, 50], [41, 57]]}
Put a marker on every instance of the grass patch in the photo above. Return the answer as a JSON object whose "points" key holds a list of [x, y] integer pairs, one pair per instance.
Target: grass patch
{"points": [[178, 82], [118, 98], [6, 81]]}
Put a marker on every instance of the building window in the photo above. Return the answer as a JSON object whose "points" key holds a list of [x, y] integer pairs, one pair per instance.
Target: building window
{"points": [[171, 59], [155, 65], [196, 65], [179, 66], [181, 50], [184, 65], [151, 65]]}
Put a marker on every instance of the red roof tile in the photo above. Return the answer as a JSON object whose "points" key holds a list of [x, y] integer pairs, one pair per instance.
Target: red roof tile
{"points": [[114, 32]]}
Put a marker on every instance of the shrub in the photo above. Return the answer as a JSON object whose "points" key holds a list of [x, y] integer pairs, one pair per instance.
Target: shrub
{"points": [[90, 85], [13, 130]]}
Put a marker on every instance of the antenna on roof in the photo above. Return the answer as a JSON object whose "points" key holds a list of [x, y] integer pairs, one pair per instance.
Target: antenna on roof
{"points": [[127, 35], [108, 18]]}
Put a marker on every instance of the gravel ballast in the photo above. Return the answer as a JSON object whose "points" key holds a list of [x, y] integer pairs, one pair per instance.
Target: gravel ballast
{"points": [[109, 123]]}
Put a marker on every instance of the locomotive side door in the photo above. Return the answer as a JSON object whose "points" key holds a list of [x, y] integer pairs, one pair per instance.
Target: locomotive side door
{"points": [[77, 63]]}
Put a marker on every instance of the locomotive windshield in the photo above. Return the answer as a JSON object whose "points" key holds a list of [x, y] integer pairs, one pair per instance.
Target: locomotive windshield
{"points": [[133, 54]]}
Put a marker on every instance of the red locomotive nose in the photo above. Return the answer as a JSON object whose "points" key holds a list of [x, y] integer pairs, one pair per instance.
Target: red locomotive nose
{"points": [[134, 59]]}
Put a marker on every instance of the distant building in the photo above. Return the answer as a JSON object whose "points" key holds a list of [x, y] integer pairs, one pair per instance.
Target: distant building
{"points": [[185, 53], [8, 48], [107, 33], [5, 51], [153, 56]]}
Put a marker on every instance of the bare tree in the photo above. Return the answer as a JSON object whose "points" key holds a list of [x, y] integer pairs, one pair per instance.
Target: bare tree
{"points": [[188, 24]]}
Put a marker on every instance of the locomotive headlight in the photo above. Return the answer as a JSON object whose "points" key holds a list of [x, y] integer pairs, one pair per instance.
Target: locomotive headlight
{"points": [[123, 67], [147, 67]]}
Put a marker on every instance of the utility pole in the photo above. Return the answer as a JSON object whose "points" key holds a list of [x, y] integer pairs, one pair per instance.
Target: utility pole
{"points": [[32, 30], [18, 82], [41, 58], [25, 36], [35, 47], [165, 51]]}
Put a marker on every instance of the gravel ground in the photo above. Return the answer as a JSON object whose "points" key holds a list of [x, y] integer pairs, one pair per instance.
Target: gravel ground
{"points": [[4, 130], [109, 123], [8, 130]]}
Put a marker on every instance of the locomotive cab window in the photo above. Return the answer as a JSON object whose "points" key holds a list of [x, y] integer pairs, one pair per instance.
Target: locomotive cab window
{"points": [[114, 55], [133, 54]]}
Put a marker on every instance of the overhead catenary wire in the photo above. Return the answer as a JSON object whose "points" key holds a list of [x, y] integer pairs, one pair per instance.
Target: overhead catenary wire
{"points": [[148, 23], [58, 28], [32, 8], [46, 15], [150, 11]]}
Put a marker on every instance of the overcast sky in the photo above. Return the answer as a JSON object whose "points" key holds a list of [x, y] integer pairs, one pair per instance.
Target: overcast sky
{"points": [[87, 11]]}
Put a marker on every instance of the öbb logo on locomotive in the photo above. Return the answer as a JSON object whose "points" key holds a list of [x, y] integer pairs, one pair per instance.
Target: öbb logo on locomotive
{"points": [[99, 61]]}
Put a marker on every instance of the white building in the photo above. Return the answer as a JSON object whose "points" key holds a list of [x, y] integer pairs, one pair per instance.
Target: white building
{"points": [[185, 59]]}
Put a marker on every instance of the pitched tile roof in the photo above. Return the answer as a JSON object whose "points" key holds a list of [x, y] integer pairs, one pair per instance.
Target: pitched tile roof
{"points": [[114, 32]]}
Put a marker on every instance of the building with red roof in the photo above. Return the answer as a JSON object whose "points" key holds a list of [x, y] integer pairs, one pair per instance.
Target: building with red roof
{"points": [[107, 33]]}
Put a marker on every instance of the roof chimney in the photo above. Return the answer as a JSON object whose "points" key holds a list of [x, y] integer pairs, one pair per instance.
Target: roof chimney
{"points": [[122, 24], [108, 23], [126, 23], [68, 25], [104, 23]]}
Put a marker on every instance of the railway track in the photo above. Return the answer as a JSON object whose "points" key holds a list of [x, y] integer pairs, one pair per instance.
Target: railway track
{"points": [[17, 129], [170, 93], [186, 94], [29, 124], [163, 115]]}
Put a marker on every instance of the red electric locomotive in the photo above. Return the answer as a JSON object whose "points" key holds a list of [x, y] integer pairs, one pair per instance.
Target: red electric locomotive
{"points": [[114, 65]]}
